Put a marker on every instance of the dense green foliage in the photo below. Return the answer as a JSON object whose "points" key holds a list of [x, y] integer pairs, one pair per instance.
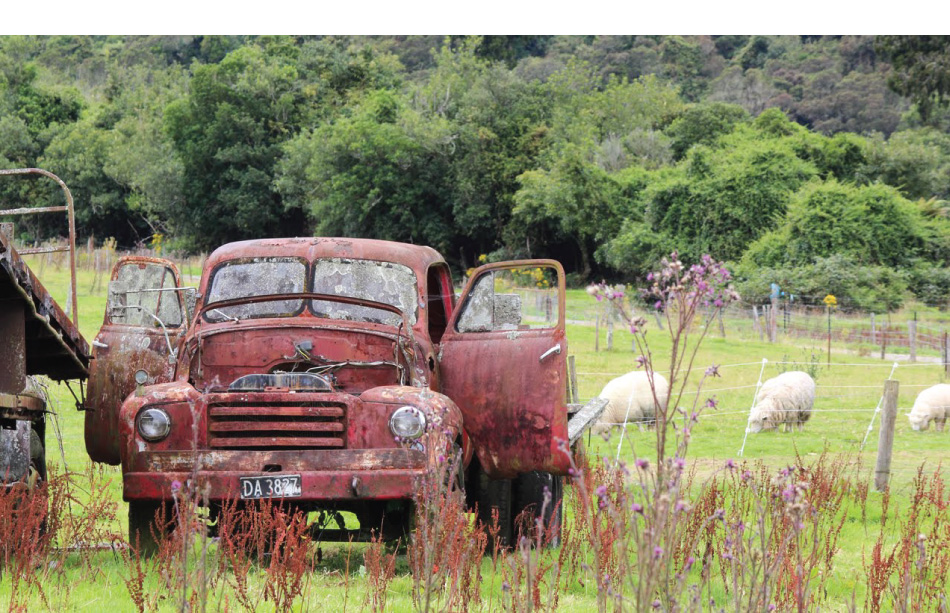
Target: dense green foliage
{"points": [[788, 156]]}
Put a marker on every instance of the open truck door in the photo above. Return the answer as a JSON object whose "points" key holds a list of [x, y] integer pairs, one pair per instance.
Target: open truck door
{"points": [[504, 363], [145, 318]]}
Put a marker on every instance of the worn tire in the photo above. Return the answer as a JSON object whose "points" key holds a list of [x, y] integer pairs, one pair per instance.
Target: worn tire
{"points": [[528, 505], [494, 494], [38, 453], [144, 533]]}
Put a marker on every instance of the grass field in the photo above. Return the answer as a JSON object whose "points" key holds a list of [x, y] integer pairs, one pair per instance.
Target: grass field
{"points": [[849, 390]]}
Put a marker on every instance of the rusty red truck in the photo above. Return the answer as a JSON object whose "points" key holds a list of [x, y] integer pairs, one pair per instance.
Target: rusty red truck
{"points": [[309, 370]]}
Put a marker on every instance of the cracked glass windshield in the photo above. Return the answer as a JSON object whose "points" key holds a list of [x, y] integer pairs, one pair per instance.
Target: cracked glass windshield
{"points": [[385, 282], [257, 277]]}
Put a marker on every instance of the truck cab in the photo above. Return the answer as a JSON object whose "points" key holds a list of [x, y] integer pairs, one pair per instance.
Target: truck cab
{"points": [[313, 371]]}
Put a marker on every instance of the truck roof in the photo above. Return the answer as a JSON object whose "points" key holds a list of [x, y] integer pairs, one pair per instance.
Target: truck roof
{"points": [[416, 257]]}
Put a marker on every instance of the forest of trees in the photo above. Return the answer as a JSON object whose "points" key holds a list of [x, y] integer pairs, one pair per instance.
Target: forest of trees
{"points": [[821, 163]]}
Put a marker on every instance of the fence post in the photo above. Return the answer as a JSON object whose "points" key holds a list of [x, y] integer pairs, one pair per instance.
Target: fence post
{"points": [[873, 331], [885, 444], [773, 319], [883, 341], [610, 331], [946, 354], [597, 334], [912, 339]]}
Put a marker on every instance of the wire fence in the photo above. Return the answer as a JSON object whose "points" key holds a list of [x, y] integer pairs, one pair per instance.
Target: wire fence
{"points": [[915, 336], [847, 405]]}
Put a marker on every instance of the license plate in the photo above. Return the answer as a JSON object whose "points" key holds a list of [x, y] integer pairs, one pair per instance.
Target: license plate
{"points": [[277, 486]]}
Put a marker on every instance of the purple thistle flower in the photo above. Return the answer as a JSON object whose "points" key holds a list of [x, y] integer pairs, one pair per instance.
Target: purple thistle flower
{"points": [[657, 552], [636, 507], [601, 490], [689, 562], [712, 371], [643, 463], [657, 604], [176, 485], [658, 305]]}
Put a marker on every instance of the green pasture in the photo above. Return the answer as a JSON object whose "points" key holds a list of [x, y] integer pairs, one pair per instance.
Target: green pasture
{"points": [[849, 390]]}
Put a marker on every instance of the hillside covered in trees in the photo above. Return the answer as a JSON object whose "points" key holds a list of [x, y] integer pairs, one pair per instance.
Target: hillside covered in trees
{"points": [[821, 163]]}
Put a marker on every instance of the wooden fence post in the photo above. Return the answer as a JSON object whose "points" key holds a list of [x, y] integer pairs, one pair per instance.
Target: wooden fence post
{"points": [[873, 331], [946, 354], [912, 339], [610, 331], [885, 444], [755, 319], [883, 340], [773, 319], [597, 334]]}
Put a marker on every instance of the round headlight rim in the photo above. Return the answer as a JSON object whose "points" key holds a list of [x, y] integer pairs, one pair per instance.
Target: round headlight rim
{"points": [[413, 411], [160, 411]]}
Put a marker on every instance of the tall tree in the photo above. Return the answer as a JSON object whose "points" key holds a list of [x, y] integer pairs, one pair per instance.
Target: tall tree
{"points": [[228, 133], [921, 69]]}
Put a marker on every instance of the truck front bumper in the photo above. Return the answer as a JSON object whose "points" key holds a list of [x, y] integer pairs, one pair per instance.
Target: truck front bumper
{"points": [[325, 475]]}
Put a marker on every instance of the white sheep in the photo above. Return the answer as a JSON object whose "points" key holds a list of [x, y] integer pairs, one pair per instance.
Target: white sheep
{"points": [[932, 404], [785, 399], [630, 399]]}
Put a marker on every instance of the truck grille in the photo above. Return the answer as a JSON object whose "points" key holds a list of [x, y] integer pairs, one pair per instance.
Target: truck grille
{"points": [[267, 425]]}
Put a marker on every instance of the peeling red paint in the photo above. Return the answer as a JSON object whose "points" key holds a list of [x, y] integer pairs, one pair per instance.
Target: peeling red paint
{"points": [[488, 389]]}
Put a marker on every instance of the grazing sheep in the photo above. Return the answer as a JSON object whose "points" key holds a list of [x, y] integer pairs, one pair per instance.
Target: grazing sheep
{"points": [[630, 399], [932, 404], [785, 399]]}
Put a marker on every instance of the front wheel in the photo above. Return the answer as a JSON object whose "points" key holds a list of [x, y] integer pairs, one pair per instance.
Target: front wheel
{"points": [[150, 521]]}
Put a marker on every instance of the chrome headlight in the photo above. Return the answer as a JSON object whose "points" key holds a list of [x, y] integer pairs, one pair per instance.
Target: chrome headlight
{"points": [[407, 422], [153, 424]]}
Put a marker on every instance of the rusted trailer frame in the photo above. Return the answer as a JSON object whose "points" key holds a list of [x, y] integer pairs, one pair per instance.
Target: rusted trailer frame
{"points": [[36, 338], [69, 209]]}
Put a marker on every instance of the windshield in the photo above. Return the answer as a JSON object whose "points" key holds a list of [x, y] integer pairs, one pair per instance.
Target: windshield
{"points": [[385, 282], [257, 277]]}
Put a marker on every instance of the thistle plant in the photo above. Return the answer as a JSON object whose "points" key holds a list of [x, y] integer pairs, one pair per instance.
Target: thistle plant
{"points": [[646, 506], [681, 295]]}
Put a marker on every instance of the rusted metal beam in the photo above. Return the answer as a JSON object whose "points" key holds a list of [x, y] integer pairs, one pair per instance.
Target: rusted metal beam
{"points": [[71, 218], [30, 210], [38, 250]]}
